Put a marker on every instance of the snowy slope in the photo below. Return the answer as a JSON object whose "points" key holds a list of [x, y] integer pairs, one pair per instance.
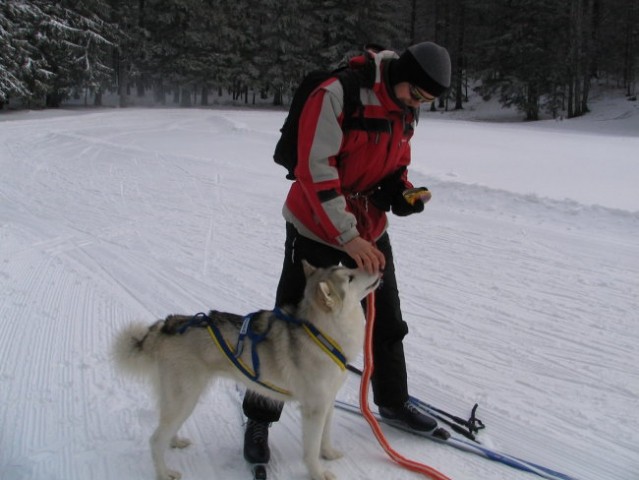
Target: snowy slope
{"points": [[520, 283]]}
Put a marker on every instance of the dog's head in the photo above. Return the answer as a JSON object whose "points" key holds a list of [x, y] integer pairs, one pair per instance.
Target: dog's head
{"points": [[337, 287]]}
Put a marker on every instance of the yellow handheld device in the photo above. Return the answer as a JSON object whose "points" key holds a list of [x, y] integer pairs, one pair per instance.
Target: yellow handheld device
{"points": [[412, 194]]}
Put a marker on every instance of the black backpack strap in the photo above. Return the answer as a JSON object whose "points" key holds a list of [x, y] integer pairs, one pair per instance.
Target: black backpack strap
{"points": [[352, 80], [351, 85]]}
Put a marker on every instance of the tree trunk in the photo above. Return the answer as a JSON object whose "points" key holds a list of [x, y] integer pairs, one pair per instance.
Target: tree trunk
{"points": [[140, 87], [443, 34], [53, 99], [413, 22], [205, 96], [532, 102], [578, 39], [277, 97], [185, 97], [630, 48], [581, 52], [459, 54], [571, 96], [160, 94], [123, 80]]}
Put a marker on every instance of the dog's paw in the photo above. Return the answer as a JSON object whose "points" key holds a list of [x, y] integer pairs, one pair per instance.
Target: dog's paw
{"points": [[326, 475], [177, 442], [170, 475], [331, 453], [319, 474]]}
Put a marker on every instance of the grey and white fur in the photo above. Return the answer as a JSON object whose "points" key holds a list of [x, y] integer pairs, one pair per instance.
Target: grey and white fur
{"points": [[181, 366]]}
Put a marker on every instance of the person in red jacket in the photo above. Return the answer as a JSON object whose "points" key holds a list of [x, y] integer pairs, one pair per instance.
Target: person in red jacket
{"points": [[336, 212]]}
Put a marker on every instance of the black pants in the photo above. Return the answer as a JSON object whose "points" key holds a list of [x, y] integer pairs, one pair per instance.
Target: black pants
{"points": [[389, 377]]}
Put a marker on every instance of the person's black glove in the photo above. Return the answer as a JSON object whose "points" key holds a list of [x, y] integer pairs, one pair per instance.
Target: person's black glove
{"points": [[407, 202], [386, 191]]}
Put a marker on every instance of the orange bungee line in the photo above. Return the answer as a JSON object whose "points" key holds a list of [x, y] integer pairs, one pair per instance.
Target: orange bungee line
{"points": [[366, 412]]}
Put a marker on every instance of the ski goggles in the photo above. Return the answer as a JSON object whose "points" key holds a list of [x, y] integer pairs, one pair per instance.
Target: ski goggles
{"points": [[418, 96]]}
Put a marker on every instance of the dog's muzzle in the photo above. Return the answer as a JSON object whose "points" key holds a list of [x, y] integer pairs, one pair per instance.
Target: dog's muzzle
{"points": [[375, 284]]}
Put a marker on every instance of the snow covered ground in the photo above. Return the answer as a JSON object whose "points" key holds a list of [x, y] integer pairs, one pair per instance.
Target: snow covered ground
{"points": [[520, 283]]}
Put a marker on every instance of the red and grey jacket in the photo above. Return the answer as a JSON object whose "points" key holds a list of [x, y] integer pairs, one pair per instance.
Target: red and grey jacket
{"points": [[337, 168]]}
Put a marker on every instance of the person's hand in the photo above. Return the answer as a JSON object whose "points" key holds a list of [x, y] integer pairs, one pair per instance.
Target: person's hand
{"points": [[410, 201], [366, 255], [385, 191]]}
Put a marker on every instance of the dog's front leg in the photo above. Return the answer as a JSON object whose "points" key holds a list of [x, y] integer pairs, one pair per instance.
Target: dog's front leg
{"points": [[313, 423], [327, 450]]}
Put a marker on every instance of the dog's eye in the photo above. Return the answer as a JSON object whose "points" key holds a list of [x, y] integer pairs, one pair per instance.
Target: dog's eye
{"points": [[351, 278]]}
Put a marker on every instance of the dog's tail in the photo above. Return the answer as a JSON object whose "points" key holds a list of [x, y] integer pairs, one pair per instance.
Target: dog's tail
{"points": [[133, 350]]}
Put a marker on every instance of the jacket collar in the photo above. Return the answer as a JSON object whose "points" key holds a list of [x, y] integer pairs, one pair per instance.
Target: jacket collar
{"points": [[386, 93]]}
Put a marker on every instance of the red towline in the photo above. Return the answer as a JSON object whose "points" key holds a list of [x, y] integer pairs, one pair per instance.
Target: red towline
{"points": [[425, 470]]}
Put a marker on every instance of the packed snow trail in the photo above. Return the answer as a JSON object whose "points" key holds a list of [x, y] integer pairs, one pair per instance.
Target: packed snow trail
{"points": [[524, 303]]}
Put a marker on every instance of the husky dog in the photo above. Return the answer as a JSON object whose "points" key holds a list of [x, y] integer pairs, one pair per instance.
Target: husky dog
{"points": [[181, 362]]}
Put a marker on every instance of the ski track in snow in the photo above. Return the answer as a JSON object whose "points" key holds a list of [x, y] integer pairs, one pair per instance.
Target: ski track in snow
{"points": [[524, 304]]}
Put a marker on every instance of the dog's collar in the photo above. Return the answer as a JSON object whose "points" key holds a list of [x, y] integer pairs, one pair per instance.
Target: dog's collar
{"points": [[326, 343]]}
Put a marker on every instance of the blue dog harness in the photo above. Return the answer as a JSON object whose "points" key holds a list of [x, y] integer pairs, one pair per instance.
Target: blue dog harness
{"points": [[326, 343]]}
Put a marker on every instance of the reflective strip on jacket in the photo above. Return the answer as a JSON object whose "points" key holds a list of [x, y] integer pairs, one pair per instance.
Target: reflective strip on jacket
{"points": [[336, 168]]}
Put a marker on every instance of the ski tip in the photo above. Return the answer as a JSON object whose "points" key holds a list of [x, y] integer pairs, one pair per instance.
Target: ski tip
{"points": [[441, 433]]}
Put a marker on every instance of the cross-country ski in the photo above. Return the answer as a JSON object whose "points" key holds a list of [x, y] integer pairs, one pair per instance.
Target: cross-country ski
{"points": [[468, 446]]}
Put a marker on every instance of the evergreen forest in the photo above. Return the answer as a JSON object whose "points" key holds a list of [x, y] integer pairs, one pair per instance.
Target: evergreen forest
{"points": [[535, 55]]}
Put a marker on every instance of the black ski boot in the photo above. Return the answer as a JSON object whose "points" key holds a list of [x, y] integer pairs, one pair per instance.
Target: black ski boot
{"points": [[410, 416], [256, 442]]}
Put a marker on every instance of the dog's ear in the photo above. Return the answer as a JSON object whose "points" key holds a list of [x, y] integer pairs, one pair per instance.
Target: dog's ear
{"points": [[308, 269], [326, 299]]}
